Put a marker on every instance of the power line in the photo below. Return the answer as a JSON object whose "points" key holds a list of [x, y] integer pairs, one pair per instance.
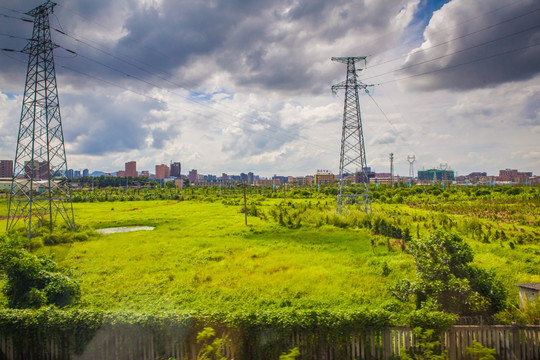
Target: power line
{"points": [[391, 123], [459, 65], [256, 119], [453, 27], [457, 38], [275, 128], [455, 52]]}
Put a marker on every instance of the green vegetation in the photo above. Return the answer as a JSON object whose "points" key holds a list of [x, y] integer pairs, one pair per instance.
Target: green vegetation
{"points": [[428, 346], [447, 282], [480, 352], [33, 281], [296, 257]]}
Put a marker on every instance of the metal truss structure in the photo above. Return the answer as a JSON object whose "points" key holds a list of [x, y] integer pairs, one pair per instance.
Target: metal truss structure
{"points": [[352, 162], [411, 160], [39, 187]]}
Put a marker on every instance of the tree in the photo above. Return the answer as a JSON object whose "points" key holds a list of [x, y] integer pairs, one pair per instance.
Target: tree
{"points": [[446, 280]]}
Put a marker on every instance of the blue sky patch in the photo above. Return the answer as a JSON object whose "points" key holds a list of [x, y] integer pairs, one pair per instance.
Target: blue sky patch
{"points": [[10, 95], [425, 12], [207, 97]]}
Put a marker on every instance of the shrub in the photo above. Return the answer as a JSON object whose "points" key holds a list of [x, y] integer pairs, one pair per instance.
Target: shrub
{"points": [[32, 281], [445, 278]]}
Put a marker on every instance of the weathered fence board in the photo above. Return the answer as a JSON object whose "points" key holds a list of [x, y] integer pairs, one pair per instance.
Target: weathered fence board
{"points": [[510, 341]]}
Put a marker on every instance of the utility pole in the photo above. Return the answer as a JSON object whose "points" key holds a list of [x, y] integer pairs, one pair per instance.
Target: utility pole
{"points": [[411, 160], [391, 169], [245, 203], [353, 152], [40, 187]]}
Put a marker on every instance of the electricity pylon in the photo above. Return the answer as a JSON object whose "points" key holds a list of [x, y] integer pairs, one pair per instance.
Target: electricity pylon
{"points": [[39, 188], [411, 160], [352, 161]]}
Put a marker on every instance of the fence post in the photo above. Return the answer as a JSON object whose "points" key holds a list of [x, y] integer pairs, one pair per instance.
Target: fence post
{"points": [[516, 344], [387, 343], [451, 333]]}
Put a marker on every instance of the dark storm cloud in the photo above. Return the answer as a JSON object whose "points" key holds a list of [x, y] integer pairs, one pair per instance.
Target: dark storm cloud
{"points": [[508, 51], [99, 125], [262, 44]]}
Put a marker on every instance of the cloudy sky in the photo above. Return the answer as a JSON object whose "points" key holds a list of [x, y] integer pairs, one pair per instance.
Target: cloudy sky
{"points": [[244, 85]]}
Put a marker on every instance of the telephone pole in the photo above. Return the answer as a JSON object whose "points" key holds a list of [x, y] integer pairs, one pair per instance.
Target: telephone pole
{"points": [[391, 169], [39, 187], [353, 153]]}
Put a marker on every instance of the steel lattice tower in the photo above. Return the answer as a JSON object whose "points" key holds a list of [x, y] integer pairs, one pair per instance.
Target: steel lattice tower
{"points": [[39, 189], [353, 153], [411, 160]]}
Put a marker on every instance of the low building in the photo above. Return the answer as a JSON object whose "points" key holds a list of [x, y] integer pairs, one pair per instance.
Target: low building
{"points": [[5, 184], [300, 180], [267, 182], [435, 175], [324, 177], [514, 176], [528, 292], [179, 183]]}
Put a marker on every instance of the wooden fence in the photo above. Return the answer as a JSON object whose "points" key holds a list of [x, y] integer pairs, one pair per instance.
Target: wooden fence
{"points": [[510, 342]]}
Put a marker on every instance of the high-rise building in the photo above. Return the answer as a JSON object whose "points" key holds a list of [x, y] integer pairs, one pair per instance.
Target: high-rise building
{"points": [[40, 169], [85, 172], [176, 169], [120, 173], [250, 177], [77, 174], [145, 173], [70, 173], [192, 176], [131, 169], [162, 171], [6, 168]]}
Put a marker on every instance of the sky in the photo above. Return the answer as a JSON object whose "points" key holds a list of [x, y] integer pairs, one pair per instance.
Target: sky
{"points": [[245, 85]]}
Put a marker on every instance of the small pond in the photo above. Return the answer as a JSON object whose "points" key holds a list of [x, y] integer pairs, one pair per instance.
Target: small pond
{"points": [[125, 229]]}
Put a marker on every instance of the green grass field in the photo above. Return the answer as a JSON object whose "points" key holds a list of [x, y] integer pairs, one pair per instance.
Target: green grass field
{"points": [[201, 256]]}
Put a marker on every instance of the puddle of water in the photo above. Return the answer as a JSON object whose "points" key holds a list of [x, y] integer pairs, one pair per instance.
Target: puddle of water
{"points": [[125, 229]]}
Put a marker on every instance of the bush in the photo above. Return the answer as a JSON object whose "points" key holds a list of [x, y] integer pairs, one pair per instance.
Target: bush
{"points": [[445, 278], [32, 282]]}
